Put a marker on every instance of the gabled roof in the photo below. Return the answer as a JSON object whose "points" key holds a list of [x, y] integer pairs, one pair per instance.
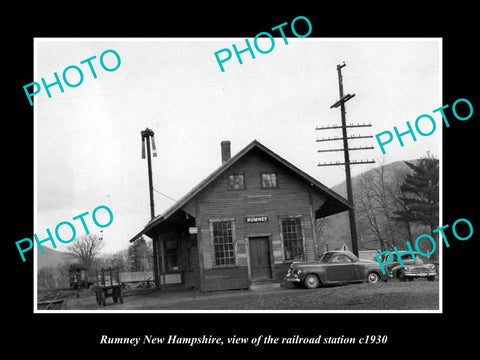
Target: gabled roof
{"points": [[334, 204]]}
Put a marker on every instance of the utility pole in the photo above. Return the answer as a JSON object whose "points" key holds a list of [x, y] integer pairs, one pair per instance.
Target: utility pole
{"points": [[146, 135], [346, 149]]}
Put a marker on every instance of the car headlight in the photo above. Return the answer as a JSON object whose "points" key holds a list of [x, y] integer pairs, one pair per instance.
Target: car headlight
{"points": [[407, 268], [298, 271], [431, 266]]}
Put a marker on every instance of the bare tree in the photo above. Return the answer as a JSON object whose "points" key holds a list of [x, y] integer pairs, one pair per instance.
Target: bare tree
{"points": [[118, 260], [389, 197], [367, 211], [53, 277], [377, 197], [85, 248]]}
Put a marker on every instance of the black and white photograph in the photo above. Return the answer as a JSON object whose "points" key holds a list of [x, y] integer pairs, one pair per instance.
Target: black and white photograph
{"points": [[256, 188], [276, 182]]}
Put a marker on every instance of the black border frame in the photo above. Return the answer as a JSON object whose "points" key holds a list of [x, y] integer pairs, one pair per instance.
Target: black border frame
{"points": [[53, 332]]}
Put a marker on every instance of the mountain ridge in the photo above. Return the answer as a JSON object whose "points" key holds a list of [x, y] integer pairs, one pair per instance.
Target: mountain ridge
{"points": [[335, 230], [52, 258]]}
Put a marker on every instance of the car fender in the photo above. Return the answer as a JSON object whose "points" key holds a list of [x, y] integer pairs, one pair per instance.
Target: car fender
{"points": [[322, 274], [367, 270], [395, 270], [318, 271]]}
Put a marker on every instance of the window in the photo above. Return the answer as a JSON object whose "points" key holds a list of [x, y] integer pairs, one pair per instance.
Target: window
{"points": [[171, 260], [269, 180], [224, 248], [292, 238], [235, 182], [340, 259], [326, 257]]}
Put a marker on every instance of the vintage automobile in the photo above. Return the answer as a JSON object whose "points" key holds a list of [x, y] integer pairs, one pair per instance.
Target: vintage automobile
{"points": [[334, 267], [411, 269]]}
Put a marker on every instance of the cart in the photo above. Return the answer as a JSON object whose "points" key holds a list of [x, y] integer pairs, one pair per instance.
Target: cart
{"points": [[108, 285], [78, 277]]}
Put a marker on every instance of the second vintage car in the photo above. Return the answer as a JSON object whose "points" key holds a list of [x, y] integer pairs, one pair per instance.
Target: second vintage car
{"points": [[411, 269], [332, 268]]}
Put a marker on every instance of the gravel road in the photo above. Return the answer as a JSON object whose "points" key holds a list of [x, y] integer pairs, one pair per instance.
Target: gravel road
{"points": [[392, 295]]}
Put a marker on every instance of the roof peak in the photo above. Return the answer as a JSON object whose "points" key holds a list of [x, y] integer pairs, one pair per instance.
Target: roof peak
{"points": [[343, 203]]}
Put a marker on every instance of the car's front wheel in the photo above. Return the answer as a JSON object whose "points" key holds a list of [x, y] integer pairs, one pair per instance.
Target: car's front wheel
{"points": [[373, 278], [311, 281], [401, 276]]}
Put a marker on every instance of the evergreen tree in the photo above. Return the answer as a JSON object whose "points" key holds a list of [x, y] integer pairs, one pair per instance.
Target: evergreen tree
{"points": [[421, 193], [139, 254]]}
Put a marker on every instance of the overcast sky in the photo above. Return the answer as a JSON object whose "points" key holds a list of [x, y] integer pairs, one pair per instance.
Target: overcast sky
{"points": [[88, 143]]}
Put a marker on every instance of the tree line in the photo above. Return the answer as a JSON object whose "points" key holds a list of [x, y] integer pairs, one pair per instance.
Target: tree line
{"points": [[392, 204], [85, 251]]}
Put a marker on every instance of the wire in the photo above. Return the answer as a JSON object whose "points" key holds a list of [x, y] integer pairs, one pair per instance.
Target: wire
{"points": [[164, 195]]}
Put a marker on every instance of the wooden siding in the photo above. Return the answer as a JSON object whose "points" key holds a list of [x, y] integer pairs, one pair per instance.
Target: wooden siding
{"points": [[216, 202], [225, 278]]}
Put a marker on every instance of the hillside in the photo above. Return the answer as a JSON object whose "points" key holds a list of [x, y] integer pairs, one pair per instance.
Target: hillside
{"points": [[336, 229], [392, 168], [51, 258]]}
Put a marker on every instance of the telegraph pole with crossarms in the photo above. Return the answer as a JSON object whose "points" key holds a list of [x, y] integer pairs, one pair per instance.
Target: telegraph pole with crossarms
{"points": [[346, 149]]}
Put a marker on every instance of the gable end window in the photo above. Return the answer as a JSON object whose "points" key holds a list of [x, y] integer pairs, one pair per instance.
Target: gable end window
{"points": [[236, 182], [269, 181]]}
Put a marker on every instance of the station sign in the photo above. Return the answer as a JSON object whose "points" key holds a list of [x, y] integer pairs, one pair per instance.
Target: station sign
{"points": [[256, 219]]}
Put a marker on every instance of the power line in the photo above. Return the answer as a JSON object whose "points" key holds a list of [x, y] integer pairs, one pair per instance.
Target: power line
{"points": [[164, 195]]}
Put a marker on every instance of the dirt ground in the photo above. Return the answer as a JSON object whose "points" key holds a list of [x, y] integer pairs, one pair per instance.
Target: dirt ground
{"points": [[392, 295]]}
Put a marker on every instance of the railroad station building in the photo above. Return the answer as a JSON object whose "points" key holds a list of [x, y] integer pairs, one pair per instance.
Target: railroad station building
{"points": [[242, 225]]}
